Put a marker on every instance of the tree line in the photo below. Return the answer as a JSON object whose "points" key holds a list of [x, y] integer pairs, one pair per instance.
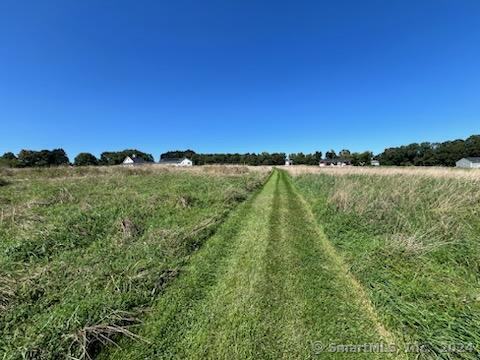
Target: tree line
{"points": [[252, 159], [416, 154], [265, 158], [355, 158], [58, 157], [431, 154]]}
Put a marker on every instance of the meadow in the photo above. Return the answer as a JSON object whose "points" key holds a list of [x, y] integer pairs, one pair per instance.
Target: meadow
{"points": [[239, 262], [411, 237], [85, 251]]}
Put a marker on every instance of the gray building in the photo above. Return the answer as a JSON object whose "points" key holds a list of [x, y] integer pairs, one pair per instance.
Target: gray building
{"points": [[469, 163]]}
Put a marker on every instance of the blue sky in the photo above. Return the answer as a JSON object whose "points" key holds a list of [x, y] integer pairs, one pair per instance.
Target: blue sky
{"points": [[237, 76]]}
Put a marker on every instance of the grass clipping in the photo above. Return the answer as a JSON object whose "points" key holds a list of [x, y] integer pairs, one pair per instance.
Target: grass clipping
{"points": [[88, 341]]}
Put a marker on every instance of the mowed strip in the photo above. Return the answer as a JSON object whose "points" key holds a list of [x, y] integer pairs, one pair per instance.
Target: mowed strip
{"points": [[264, 287]]}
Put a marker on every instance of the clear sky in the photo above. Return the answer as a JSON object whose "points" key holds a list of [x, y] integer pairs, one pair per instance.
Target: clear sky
{"points": [[237, 75]]}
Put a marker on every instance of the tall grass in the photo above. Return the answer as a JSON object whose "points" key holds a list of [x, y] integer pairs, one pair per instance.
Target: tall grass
{"points": [[84, 252], [413, 241], [62, 172], [436, 172]]}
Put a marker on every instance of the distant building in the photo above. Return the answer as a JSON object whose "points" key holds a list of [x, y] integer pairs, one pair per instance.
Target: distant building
{"points": [[133, 160], [288, 162], [335, 162], [469, 163], [375, 163], [176, 162]]}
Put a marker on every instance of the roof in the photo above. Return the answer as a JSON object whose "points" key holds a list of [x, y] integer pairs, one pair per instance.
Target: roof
{"points": [[172, 160], [475, 160], [135, 159]]}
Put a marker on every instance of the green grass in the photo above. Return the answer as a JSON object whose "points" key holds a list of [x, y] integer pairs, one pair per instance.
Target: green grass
{"points": [[84, 252], [147, 263], [413, 244], [265, 286]]}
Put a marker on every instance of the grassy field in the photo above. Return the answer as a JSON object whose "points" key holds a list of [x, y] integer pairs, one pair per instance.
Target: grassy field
{"points": [[261, 288], [412, 239], [239, 263], [84, 252]]}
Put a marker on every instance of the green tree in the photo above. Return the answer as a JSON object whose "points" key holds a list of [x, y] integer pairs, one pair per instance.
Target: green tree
{"points": [[57, 157], [85, 159], [472, 146], [117, 157], [28, 158], [8, 160], [43, 158], [190, 154], [330, 154], [298, 158], [345, 154]]}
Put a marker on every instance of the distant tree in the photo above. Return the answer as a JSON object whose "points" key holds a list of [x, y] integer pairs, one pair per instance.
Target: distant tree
{"points": [[178, 154], [425, 154], [30, 158], [278, 158], [472, 146], [317, 156], [449, 152], [58, 157], [431, 154], [361, 159], [8, 160], [330, 154], [26, 158], [345, 154], [311, 159], [236, 158], [85, 159], [9, 156], [298, 158], [117, 157]]}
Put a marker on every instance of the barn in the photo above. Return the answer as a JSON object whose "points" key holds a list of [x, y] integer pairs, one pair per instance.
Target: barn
{"points": [[183, 162], [469, 163]]}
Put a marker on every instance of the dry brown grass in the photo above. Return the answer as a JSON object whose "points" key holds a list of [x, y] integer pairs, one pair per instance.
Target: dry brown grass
{"points": [[7, 290], [90, 339], [438, 172], [421, 209]]}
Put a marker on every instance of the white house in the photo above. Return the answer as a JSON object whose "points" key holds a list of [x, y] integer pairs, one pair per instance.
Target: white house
{"points": [[375, 163], [469, 163], [133, 160], [183, 162], [288, 162]]}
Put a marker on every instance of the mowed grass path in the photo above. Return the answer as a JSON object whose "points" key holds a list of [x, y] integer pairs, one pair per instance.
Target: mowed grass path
{"points": [[267, 285]]}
